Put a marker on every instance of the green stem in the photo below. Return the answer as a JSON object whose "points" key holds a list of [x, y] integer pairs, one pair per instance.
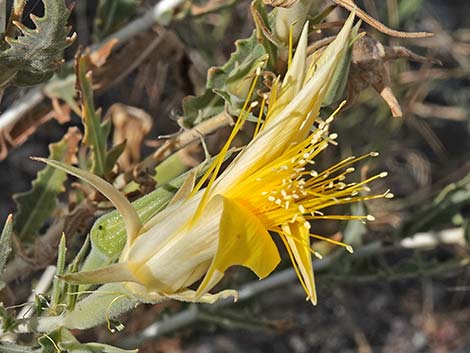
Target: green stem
{"points": [[104, 304]]}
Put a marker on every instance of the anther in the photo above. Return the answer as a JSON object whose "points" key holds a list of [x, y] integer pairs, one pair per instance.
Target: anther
{"points": [[374, 154], [317, 254], [307, 225], [383, 174], [370, 218]]}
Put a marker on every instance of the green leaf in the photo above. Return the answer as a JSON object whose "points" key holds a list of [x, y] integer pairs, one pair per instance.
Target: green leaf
{"points": [[38, 204], [8, 321], [228, 85], [58, 284], [35, 55], [5, 246], [96, 132]]}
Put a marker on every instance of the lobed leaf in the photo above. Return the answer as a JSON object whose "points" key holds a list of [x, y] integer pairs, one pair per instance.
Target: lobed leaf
{"points": [[37, 205], [36, 54]]}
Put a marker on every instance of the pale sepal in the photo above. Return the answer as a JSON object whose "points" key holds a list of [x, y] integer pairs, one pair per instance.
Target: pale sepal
{"points": [[129, 214], [119, 272]]}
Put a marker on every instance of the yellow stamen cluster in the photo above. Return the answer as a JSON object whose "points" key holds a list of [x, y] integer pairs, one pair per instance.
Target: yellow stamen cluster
{"points": [[289, 191]]}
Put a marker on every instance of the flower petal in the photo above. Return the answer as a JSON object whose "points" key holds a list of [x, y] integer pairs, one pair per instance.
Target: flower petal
{"points": [[244, 241], [298, 240]]}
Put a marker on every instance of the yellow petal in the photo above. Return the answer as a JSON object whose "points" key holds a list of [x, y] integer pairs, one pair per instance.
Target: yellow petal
{"points": [[125, 208], [244, 241], [294, 78], [298, 240]]}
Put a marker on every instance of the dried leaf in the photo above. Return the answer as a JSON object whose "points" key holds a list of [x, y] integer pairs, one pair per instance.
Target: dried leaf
{"points": [[131, 125], [37, 205]]}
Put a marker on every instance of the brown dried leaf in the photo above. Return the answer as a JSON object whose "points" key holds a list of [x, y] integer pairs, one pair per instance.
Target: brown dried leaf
{"points": [[99, 57], [132, 125], [17, 134]]}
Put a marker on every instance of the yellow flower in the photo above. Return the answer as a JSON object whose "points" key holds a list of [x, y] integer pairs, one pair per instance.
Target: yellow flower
{"points": [[270, 187]]}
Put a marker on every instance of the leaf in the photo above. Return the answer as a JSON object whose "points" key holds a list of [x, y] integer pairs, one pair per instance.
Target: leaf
{"points": [[38, 204], [5, 246], [96, 132], [35, 55], [8, 321], [228, 85]]}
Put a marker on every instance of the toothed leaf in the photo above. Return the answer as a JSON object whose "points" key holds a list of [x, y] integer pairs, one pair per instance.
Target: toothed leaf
{"points": [[37, 205], [36, 54]]}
